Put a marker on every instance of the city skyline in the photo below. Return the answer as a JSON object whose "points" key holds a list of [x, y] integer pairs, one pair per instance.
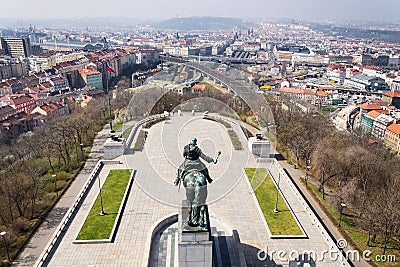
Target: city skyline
{"points": [[307, 10]]}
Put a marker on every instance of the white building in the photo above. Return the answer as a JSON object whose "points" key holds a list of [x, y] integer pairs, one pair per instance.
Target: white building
{"points": [[380, 124]]}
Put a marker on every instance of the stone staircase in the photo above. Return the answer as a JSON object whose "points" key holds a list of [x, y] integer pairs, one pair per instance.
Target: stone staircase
{"points": [[164, 251]]}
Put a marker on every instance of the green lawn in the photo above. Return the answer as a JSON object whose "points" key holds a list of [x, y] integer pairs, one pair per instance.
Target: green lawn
{"points": [[118, 125], [326, 110], [210, 87], [113, 190], [281, 223]]}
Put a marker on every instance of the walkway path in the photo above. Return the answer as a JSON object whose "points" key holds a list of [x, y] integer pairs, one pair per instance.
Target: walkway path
{"points": [[153, 197]]}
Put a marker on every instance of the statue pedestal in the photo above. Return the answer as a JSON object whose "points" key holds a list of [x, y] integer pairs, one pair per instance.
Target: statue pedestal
{"points": [[114, 148], [259, 147], [195, 245]]}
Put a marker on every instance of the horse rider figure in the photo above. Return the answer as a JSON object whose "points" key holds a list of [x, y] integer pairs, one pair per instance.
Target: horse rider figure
{"points": [[194, 175], [192, 154]]}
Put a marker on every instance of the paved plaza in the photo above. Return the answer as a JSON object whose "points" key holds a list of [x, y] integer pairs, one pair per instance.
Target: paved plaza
{"points": [[153, 197]]}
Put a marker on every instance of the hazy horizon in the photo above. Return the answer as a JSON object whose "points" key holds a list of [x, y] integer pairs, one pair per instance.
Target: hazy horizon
{"points": [[306, 10]]}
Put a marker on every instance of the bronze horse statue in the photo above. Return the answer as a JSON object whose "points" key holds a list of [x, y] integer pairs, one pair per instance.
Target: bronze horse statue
{"points": [[194, 175], [195, 184]]}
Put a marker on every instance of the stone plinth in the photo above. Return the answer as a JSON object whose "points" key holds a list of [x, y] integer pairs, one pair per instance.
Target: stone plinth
{"points": [[259, 146], [195, 245], [114, 147]]}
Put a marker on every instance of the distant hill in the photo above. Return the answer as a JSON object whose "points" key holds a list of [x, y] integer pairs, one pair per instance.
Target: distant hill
{"points": [[381, 35], [68, 23], [202, 23]]}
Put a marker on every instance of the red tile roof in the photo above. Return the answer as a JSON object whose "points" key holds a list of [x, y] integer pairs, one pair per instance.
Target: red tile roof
{"points": [[20, 100], [58, 79], [4, 84], [46, 85], [371, 67], [325, 87], [367, 106], [296, 90], [393, 94], [323, 94], [373, 114], [201, 87], [13, 81], [371, 142], [394, 128], [5, 110]]}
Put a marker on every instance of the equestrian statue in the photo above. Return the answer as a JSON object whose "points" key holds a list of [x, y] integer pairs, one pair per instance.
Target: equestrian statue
{"points": [[194, 175]]}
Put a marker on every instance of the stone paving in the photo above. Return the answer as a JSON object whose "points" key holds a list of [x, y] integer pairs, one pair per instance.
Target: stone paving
{"points": [[153, 197]]}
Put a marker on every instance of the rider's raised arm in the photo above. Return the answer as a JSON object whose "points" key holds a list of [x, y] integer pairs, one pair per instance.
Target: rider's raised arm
{"points": [[205, 157]]}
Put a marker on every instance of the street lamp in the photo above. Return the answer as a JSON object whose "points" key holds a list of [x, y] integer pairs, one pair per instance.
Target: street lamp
{"points": [[76, 148], [81, 145], [102, 213], [55, 182], [277, 193], [308, 167], [109, 107], [342, 206], [108, 101], [3, 234]]}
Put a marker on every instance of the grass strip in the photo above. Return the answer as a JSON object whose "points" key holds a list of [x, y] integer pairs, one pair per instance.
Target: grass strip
{"points": [[226, 124], [235, 140], [113, 190], [140, 140], [232, 134], [282, 222], [154, 121]]}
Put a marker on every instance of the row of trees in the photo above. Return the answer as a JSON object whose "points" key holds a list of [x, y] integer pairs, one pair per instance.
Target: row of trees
{"points": [[363, 176], [41, 164]]}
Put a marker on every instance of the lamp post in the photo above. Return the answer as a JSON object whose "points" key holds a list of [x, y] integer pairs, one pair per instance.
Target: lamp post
{"points": [[102, 213], [55, 182], [308, 167], [81, 145], [3, 235], [109, 101], [76, 148], [109, 106], [277, 193], [342, 206]]}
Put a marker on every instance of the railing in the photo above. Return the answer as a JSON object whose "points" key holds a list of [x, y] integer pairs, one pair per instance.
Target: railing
{"points": [[137, 126]]}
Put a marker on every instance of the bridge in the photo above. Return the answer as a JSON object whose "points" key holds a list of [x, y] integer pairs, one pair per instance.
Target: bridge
{"points": [[230, 77], [223, 59], [236, 83]]}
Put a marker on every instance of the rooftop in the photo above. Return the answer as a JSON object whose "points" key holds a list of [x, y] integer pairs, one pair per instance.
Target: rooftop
{"points": [[393, 94], [394, 128], [367, 106], [85, 72], [373, 114]]}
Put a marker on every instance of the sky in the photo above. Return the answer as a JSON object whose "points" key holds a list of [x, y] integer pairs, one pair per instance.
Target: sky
{"points": [[307, 10]]}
